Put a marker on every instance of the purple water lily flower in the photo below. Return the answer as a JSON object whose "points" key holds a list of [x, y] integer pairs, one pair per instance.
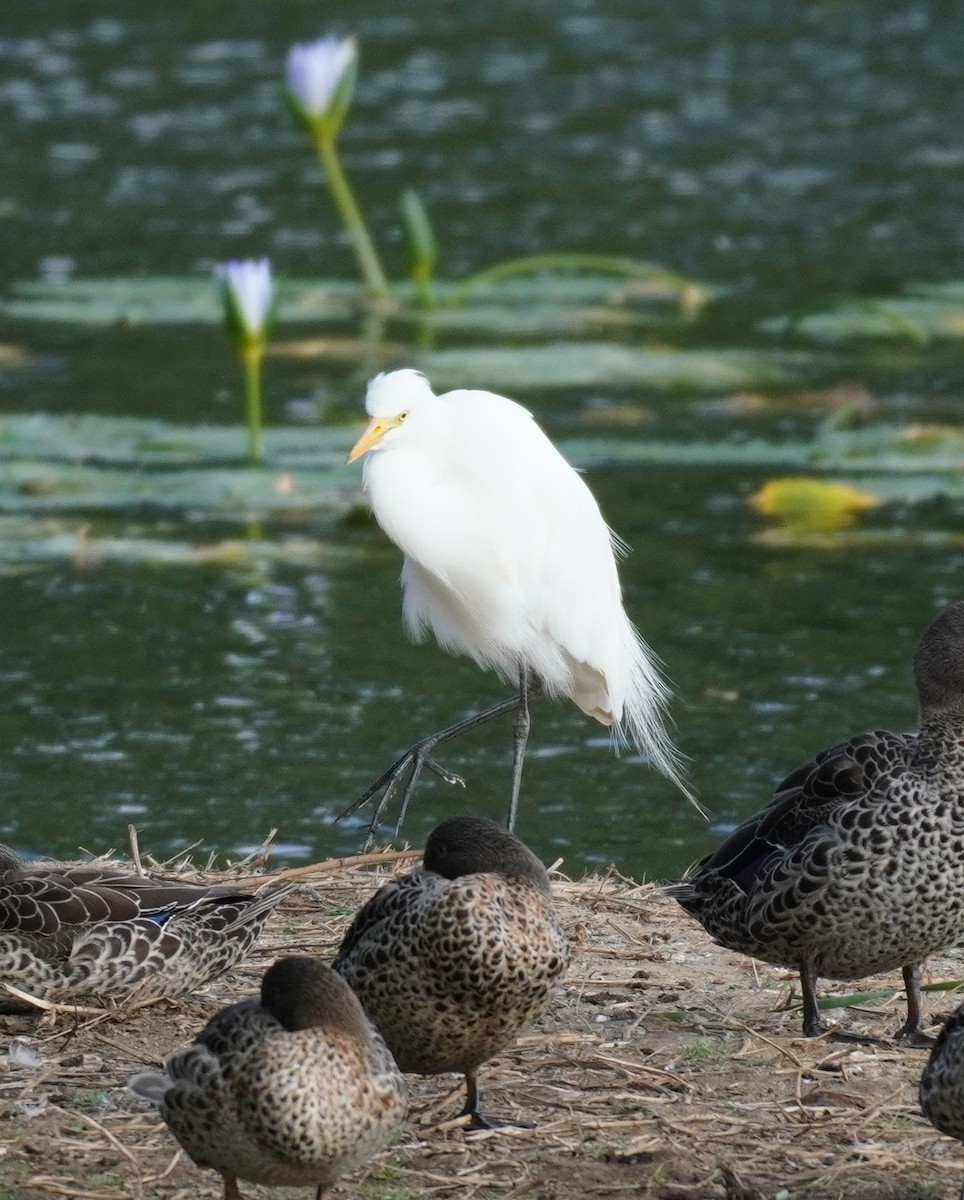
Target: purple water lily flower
{"points": [[320, 78], [248, 293], [319, 83], [248, 296]]}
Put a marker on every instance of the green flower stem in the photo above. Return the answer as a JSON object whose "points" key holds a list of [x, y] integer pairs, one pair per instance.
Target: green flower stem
{"points": [[251, 360], [371, 268], [691, 294], [424, 291]]}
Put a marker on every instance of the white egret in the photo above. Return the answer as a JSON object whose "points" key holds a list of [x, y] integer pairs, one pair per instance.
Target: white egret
{"points": [[507, 560]]}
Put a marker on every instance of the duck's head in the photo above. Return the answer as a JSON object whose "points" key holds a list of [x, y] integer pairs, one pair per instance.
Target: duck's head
{"points": [[302, 992], [939, 663], [476, 845]]}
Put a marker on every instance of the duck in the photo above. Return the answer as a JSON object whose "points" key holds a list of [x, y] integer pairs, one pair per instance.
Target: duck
{"points": [[291, 1088], [82, 934], [453, 960], [856, 865], [942, 1083]]}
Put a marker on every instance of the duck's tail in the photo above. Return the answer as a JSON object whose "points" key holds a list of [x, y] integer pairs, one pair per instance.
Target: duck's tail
{"points": [[151, 1085]]}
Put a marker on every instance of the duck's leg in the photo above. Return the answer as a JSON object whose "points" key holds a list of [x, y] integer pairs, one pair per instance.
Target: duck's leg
{"points": [[473, 1099], [913, 1027], [811, 1012], [915, 1014], [473, 1108], [812, 1026], [231, 1187], [420, 755]]}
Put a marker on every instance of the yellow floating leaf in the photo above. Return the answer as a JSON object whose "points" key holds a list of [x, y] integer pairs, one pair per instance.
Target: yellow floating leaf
{"points": [[802, 502]]}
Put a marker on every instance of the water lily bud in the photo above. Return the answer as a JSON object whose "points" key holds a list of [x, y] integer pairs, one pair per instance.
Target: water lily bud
{"points": [[247, 292], [421, 249], [319, 82]]}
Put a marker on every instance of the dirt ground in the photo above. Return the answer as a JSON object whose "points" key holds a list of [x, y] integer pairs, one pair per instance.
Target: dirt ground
{"points": [[667, 1068]]}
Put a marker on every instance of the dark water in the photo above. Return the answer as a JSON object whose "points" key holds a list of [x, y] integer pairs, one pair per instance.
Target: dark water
{"points": [[788, 148], [786, 152]]}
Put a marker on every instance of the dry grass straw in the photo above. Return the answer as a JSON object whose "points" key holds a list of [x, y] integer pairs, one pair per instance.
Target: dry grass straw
{"points": [[666, 1069]]}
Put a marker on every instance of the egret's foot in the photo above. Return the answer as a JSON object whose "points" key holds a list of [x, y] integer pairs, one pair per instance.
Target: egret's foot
{"points": [[443, 773], [403, 773], [419, 756], [436, 769]]}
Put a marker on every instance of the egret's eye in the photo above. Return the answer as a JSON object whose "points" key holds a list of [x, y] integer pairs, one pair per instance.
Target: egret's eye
{"points": [[401, 417]]}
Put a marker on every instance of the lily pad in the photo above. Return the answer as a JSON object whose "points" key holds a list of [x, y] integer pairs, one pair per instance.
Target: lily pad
{"points": [[562, 365], [123, 464], [28, 541], [179, 300], [38, 487], [950, 291], [160, 300], [857, 540], [912, 450], [132, 441], [921, 319], [94, 464], [534, 320]]}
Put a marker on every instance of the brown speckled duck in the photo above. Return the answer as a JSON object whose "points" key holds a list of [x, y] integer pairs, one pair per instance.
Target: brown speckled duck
{"points": [[293, 1089], [96, 934], [857, 863], [942, 1084], [454, 960]]}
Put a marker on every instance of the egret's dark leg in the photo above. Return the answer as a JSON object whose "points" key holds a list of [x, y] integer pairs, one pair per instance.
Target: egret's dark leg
{"points": [[520, 732], [811, 1013], [419, 756]]}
